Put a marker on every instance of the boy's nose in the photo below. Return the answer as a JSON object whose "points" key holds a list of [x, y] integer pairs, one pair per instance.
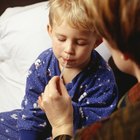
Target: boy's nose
{"points": [[69, 49]]}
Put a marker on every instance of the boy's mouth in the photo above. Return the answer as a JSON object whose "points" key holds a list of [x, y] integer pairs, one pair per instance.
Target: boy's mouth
{"points": [[68, 61]]}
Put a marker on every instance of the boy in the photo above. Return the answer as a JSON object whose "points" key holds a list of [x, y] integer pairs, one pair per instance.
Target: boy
{"points": [[87, 77], [119, 27]]}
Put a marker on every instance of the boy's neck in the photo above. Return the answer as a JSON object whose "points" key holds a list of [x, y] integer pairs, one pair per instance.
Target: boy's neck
{"points": [[69, 74]]}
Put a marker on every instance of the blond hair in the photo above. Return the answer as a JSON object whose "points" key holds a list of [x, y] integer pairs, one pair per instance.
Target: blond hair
{"points": [[73, 11]]}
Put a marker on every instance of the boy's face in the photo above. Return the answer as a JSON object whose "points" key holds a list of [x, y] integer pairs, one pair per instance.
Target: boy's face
{"points": [[67, 41]]}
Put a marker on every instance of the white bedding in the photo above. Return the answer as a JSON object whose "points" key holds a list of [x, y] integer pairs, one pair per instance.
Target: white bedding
{"points": [[23, 36]]}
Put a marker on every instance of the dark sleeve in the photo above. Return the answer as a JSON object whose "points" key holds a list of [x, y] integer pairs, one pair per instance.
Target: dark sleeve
{"points": [[89, 132], [122, 124]]}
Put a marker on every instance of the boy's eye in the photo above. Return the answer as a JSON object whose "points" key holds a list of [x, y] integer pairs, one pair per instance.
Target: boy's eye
{"points": [[61, 38], [82, 42]]}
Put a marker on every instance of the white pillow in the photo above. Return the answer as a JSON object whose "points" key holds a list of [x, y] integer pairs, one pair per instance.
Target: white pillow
{"points": [[23, 36]]}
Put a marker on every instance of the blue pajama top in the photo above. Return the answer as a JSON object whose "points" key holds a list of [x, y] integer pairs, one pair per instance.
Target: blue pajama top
{"points": [[93, 92]]}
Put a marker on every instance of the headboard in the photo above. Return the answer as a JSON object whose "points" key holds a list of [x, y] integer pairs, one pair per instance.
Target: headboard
{"points": [[12, 3]]}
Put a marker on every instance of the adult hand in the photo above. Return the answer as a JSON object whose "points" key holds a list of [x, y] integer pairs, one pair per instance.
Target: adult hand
{"points": [[56, 103]]}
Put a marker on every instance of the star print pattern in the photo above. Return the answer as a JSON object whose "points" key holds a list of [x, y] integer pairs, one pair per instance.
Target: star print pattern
{"points": [[93, 92]]}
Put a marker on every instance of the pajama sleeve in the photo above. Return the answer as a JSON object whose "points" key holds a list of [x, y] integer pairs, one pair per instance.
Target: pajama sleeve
{"points": [[97, 101]]}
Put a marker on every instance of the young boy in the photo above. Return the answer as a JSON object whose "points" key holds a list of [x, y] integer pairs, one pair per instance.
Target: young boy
{"points": [[119, 26], [87, 77]]}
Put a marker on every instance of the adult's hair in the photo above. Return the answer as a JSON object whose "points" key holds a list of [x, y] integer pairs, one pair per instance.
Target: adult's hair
{"points": [[118, 21]]}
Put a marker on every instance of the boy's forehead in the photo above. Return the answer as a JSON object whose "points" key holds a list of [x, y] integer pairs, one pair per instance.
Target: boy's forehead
{"points": [[73, 33], [68, 28], [66, 25]]}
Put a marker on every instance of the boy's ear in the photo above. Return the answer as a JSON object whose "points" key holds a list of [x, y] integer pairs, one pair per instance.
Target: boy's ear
{"points": [[49, 29]]}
